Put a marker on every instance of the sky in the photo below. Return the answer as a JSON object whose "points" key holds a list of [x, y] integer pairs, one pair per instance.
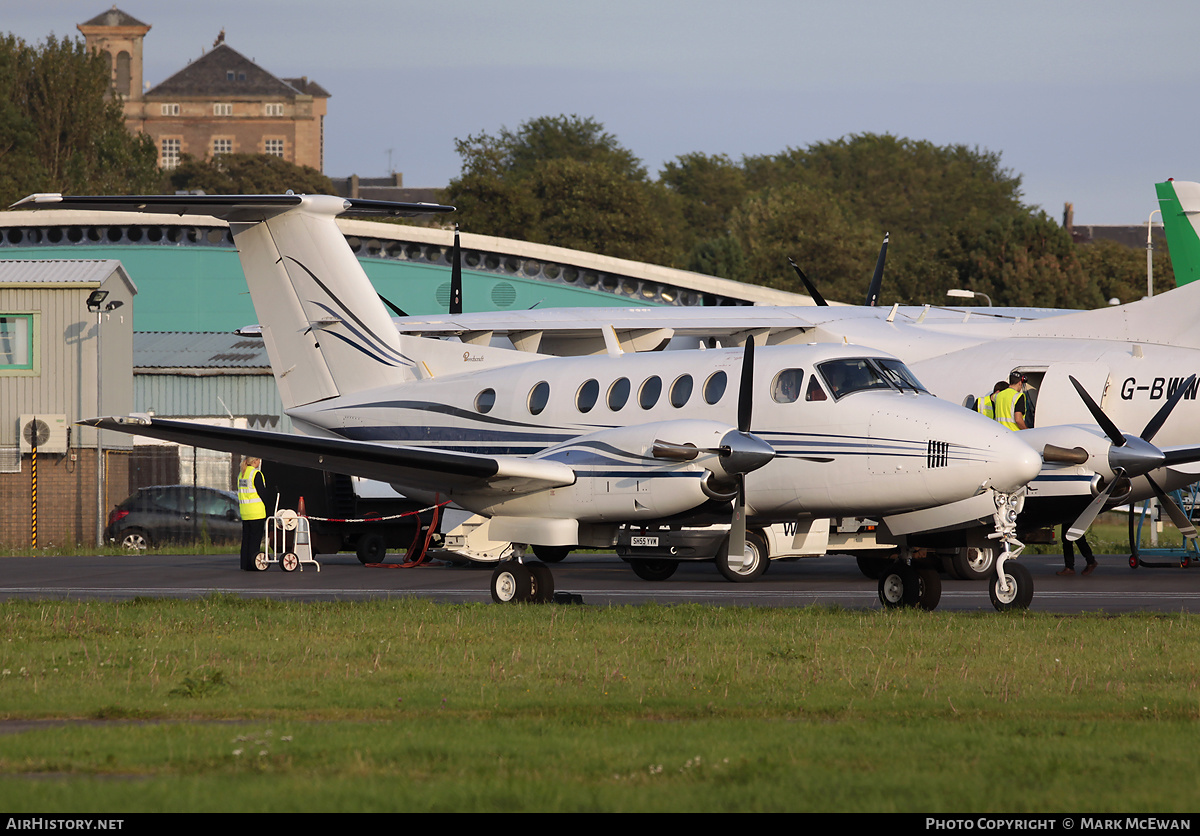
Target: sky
{"points": [[1090, 102]]}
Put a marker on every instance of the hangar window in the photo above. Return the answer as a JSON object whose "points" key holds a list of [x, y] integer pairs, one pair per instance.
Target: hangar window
{"points": [[649, 392], [618, 393], [539, 396], [17, 344], [681, 391], [586, 397], [714, 387]]}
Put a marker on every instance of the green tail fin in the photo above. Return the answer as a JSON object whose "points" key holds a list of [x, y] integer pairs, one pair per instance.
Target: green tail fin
{"points": [[1180, 205]]}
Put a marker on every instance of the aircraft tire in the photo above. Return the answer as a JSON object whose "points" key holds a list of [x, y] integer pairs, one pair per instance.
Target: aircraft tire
{"points": [[899, 586], [871, 565], [551, 554], [930, 584], [753, 564], [653, 570], [974, 567], [543, 583], [372, 548], [1018, 598], [512, 583]]}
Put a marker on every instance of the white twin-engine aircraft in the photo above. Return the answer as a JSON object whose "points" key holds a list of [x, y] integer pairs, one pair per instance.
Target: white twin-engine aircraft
{"points": [[561, 451]]}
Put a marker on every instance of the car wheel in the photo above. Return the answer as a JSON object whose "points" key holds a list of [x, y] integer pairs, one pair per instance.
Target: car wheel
{"points": [[135, 540]]}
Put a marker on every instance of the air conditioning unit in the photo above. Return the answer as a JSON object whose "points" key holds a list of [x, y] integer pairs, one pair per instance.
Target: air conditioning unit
{"points": [[47, 432]]}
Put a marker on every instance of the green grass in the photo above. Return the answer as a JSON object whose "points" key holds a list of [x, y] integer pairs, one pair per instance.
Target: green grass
{"points": [[229, 704]]}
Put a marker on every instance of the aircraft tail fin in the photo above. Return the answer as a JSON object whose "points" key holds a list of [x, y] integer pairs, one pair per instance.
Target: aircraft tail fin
{"points": [[1180, 205], [326, 331]]}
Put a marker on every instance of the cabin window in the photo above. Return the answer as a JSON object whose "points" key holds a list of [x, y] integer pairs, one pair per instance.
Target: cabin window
{"points": [[786, 386], [539, 396], [618, 394], [714, 387], [681, 391], [586, 397], [648, 394], [815, 392], [485, 400]]}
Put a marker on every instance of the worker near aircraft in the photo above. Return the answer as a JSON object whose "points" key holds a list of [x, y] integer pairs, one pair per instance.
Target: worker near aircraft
{"points": [[987, 404], [1010, 403], [252, 509]]}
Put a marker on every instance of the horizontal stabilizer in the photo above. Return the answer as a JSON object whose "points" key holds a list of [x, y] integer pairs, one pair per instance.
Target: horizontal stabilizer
{"points": [[419, 469]]}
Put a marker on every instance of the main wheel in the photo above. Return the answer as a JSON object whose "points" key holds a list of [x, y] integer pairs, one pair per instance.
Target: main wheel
{"points": [[543, 583], [372, 548], [653, 570], [1019, 593], [289, 562], [872, 566], [930, 584], [512, 583], [749, 565], [551, 554], [899, 586], [135, 540], [260, 561], [974, 564]]}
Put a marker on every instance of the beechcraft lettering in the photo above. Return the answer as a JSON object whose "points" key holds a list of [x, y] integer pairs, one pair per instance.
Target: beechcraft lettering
{"points": [[1158, 388]]}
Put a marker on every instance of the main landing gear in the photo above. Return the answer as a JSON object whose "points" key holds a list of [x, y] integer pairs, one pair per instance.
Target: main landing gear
{"points": [[515, 582]]}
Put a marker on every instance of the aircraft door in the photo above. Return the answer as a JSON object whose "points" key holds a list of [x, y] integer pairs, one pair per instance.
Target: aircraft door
{"points": [[1059, 403]]}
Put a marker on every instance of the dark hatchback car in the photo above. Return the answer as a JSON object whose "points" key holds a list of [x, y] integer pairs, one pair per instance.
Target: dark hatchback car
{"points": [[174, 514]]}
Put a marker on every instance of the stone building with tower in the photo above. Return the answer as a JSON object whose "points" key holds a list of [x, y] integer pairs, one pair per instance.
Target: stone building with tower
{"points": [[220, 103]]}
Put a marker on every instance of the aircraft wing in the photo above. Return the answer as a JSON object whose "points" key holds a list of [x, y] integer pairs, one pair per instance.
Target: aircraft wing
{"points": [[416, 468], [229, 207]]}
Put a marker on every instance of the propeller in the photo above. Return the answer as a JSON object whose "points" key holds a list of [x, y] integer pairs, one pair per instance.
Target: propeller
{"points": [[808, 285], [740, 450], [877, 278], [1131, 456]]}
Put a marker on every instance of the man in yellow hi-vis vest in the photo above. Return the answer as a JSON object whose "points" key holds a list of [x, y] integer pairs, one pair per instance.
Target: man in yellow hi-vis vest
{"points": [[253, 511], [987, 404], [1010, 403]]}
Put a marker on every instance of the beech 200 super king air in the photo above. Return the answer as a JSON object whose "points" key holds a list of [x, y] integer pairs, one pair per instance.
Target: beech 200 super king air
{"points": [[563, 451]]}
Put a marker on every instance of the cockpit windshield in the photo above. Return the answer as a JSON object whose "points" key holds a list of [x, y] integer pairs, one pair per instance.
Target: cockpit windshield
{"points": [[860, 374]]}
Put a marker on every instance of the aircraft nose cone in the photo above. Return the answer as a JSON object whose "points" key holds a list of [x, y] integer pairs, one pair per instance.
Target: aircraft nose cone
{"points": [[1018, 464]]}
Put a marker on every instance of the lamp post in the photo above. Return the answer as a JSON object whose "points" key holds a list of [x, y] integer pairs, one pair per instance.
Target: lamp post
{"points": [[958, 293], [1150, 253], [95, 304]]}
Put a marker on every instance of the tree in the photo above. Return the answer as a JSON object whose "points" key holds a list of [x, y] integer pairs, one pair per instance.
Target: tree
{"points": [[1120, 272], [58, 130], [560, 180], [247, 174]]}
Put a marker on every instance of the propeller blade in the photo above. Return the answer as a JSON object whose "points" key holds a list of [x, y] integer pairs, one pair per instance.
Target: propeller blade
{"points": [[737, 528], [1106, 424], [746, 394], [395, 310], [809, 286], [456, 276], [1176, 513], [1161, 416], [877, 278], [1090, 513]]}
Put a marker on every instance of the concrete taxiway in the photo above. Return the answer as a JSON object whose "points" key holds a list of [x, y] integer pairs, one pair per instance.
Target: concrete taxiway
{"points": [[602, 580]]}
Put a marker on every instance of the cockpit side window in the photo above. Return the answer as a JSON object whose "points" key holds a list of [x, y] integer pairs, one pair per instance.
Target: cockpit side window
{"points": [[851, 375], [815, 392]]}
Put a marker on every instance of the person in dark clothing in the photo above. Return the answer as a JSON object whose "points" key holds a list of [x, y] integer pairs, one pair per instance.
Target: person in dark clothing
{"points": [[1069, 554]]}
